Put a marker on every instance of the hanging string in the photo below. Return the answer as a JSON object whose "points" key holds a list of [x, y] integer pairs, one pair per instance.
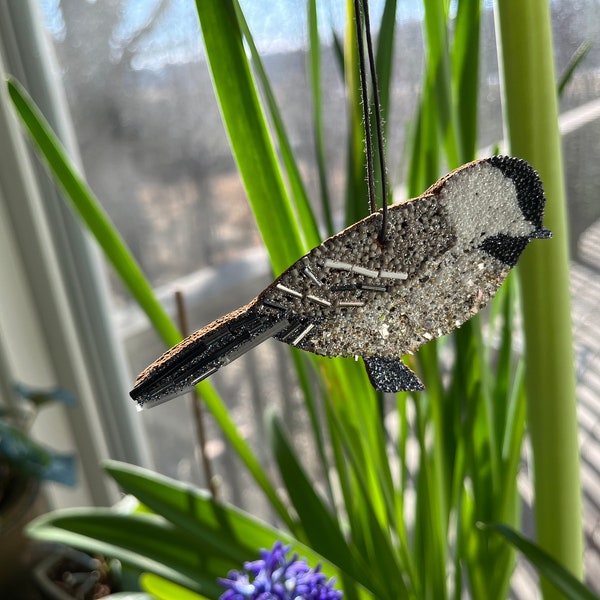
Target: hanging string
{"points": [[360, 13], [365, 105], [378, 123]]}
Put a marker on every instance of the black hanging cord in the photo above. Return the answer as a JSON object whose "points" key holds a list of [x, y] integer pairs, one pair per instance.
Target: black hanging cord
{"points": [[378, 123], [360, 12], [365, 105]]}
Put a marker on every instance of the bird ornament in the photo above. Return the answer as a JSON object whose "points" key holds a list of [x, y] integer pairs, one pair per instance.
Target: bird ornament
{"points": [[444, 256]]}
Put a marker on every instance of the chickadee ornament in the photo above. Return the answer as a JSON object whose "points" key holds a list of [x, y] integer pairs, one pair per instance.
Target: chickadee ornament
{"points": [[445, 255]]}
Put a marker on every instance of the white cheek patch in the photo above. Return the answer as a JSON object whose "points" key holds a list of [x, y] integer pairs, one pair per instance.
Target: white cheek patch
{"points": [[482, 202]]}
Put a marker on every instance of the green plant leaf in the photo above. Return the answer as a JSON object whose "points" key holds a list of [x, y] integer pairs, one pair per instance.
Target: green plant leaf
{"points": [[305, 367], [384, 59], [574, 63], [163, 589], [385, 55], [308, 222], [183, 540], [248, 133], [321, 528], [531, 109], [314, 55], [465, 66], [356, 187], [372, 537], [129, 596], [144, 541], [195, 512], [91, 212], [546, 566], [439, 78]]}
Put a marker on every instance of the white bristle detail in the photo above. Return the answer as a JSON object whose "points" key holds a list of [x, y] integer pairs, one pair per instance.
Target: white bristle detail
{"points": [[365, 272], [393, 275], [319, 300], [335, 264], [303, 334], [288, 290]]}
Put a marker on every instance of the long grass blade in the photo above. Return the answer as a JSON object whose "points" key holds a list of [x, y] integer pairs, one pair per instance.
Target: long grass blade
{"points": [[119, 256], [577, 58], [321, 528], [465, 66], [532, 120], [163, 589], [248, 133], [304, 369], [356, 187], [91, 212], [439, 77], [310, 230], [314, 56], [549, 568], [385, 55]]}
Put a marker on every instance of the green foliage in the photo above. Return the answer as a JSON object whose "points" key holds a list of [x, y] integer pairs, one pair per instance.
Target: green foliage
{"points": [[91, 211], [553, 571], [400, 506], [106, 234], [177, 532], [577, 58], [22, 454], [163, 589], [532, 122], [250, 139]]}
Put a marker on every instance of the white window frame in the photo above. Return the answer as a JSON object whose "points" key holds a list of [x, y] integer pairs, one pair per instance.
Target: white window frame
{"points": [[55, 323]]}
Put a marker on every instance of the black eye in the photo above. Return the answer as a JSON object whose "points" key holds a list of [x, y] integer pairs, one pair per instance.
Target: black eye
{"points": [[505, 248]]}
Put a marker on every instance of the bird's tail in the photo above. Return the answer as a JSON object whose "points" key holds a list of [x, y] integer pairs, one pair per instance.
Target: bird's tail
{"points": [[203, 353]]}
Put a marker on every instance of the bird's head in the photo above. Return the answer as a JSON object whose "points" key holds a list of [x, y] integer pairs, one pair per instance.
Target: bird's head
{"points": [[496, 204]]}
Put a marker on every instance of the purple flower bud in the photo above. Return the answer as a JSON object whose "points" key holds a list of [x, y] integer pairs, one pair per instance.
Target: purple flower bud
{"points": [[277, 577]]}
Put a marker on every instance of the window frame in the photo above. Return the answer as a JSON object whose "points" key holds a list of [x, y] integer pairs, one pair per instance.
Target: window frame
{"points": [[76, 346]]}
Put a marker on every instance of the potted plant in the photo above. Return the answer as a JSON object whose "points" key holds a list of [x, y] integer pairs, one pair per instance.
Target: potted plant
{"points": [[68, 573], [24, 464]]}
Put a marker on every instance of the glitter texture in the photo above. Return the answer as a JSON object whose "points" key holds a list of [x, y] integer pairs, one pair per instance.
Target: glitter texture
{"points": [[448, 250], [446, 254]]}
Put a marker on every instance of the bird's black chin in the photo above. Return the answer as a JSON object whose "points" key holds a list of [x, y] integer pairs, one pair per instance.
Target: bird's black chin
{"points": [[507, 249]]}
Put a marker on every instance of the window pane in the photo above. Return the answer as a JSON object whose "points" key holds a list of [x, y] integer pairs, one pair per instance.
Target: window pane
{"points": [[155, 152]]}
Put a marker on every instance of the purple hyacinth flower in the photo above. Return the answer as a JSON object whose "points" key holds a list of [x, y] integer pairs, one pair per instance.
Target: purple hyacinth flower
{"points": [[277, 577]]}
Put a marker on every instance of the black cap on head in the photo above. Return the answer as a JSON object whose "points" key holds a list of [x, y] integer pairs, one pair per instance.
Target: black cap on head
{"points": [[530, 193]]}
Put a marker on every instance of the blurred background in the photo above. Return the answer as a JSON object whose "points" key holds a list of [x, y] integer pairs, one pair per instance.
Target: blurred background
{"points": [[152, 146], [134, 101], [154, 150]]}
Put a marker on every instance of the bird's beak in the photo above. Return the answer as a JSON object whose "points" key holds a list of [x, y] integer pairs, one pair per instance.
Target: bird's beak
{"points": [[541, 234]]}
